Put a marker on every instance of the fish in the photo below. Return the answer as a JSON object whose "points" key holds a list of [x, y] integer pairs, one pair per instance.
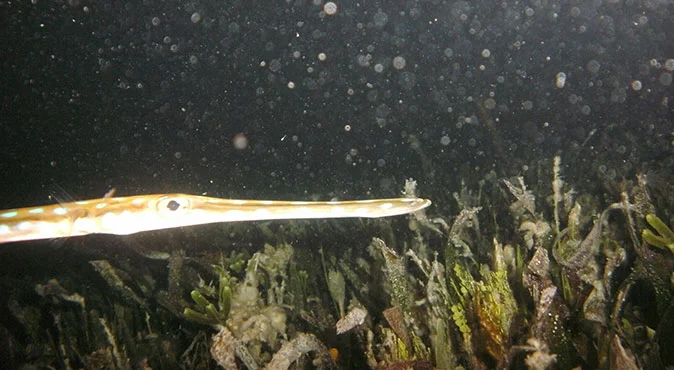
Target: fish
{"points": [[134, 214]]}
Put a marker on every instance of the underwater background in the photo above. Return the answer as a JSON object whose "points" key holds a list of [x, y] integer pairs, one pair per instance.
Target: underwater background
{"points": [[543, 132]]}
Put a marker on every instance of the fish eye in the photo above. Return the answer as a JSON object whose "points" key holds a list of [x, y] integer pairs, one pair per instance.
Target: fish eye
{"points": [[170, 205]]}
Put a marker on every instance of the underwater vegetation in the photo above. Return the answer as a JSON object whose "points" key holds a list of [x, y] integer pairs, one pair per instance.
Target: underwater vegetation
{"points": [[519, 277]]}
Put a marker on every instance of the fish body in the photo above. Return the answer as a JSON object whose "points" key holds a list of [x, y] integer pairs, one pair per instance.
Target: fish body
{"points": [[129, 215]]}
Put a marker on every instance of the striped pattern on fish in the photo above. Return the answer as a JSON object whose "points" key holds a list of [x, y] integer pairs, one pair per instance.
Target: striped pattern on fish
{"points": [[129, 215]]}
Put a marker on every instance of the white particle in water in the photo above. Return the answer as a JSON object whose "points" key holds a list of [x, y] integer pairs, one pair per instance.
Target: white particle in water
{"points": [[669, 65], [399, 62], [330, 8], [560, 80]]}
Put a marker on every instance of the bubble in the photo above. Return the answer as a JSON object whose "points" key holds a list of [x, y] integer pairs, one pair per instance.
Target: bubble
{"points": [[330, 8], [527, 105], [486, 53], [560, 80], [178, 155], [399, 62], [621, 149], [445, 140], [472, 142], [449, 52], [381, 162], [347, 127], [529, 12], [379, 68], [602, 168], [291, 85], [593, 66], [490, 103], [240, 141], [363, 60], [380, 19], [636, 85], [193, 59], [174, 48], [322, 57], [275, 65], [156, 21], [195, 18], [585, 109], [665, 79], [539, 138], [167, 40], [407, 80]]}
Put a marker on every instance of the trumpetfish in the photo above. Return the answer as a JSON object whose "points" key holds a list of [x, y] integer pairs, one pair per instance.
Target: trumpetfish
{"points": [[129, 215]]}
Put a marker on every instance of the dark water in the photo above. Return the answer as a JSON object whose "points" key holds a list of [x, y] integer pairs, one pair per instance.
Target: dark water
{"points": [[282, 100]]}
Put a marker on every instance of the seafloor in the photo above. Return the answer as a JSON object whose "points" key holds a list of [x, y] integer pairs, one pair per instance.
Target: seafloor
{"points": [[518, 277]]}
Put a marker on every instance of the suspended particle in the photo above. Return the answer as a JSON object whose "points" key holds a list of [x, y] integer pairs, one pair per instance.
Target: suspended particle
{"points": [[399, 62], [240, 141], [527, 105], [669, 65], [593, 66], [560, 80], [330, 8]]}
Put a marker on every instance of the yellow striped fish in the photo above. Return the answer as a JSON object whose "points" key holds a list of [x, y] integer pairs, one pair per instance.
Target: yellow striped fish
{"points": [[128, 215]]}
